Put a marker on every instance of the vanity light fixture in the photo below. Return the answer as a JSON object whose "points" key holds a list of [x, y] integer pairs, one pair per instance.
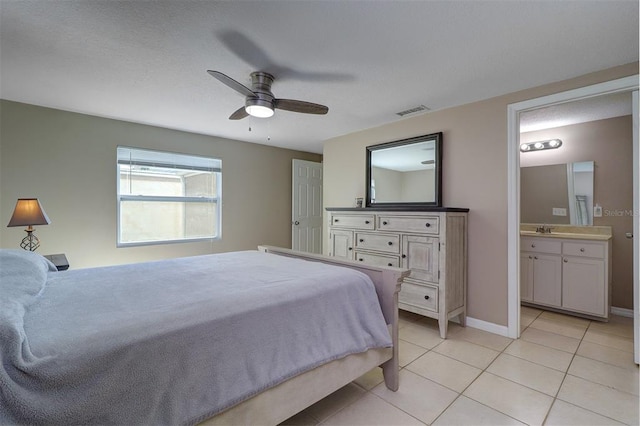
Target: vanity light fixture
{"points": [[540, 145]]}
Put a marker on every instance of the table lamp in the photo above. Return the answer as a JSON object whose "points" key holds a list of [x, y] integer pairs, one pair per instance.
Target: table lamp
{"points": [[29, 212]]}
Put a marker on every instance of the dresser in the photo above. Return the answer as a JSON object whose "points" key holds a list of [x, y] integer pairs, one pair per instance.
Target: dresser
{"points": [[567, 272], [431, 242]]}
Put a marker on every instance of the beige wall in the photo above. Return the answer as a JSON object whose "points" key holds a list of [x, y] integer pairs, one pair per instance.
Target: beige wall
{"points": [[474, 176], [609, 144], [68, 161]]}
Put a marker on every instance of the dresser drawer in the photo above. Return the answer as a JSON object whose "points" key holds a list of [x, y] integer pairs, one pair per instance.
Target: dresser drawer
{"points": [[541, 245], [352, 221], [376, 259], [389, 243], [421, 224], [420, 296], [583, 249]]}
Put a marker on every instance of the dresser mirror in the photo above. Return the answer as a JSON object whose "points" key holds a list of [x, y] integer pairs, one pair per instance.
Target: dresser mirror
{"points": [[405, 173], [557, 194]]}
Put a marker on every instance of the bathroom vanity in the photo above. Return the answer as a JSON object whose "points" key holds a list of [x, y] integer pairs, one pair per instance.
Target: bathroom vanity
{"points": [[568, 269]]}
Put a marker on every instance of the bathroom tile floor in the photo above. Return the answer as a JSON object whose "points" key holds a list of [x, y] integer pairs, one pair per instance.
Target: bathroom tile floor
{"points": [[562, 371]]}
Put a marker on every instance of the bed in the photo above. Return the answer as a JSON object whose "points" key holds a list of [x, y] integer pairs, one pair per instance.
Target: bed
{"points": [[229, 338]]}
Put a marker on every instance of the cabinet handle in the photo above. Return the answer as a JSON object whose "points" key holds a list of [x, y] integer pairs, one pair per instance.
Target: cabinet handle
{"points": [[566, 260], [366, 222], [404, 256], [390, 243], [361, 240], [533, 246], [389, 264], [530, 257], [385, 222], [582, 250], [426, 297], [361, 260], [350, 248], [335, 220], [428, 225], [535, 257]]}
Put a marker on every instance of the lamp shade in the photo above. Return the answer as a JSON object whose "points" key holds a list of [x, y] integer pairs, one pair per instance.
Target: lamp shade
{"points": [[28, 212]]}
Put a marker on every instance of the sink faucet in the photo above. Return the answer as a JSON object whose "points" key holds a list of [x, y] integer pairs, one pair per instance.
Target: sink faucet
{"points": [[544, 229]]}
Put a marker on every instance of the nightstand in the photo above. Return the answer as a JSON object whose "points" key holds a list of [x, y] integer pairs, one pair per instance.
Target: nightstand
{"points": [[60, 260]]}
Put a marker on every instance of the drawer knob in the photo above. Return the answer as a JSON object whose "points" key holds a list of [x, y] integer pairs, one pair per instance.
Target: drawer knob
{"points": [[361, 260], [366, 222], [389, 264], [533, 246], [350, 248], [426, 297], [385, 222], [335, 220], [361, 240], [404, 256], [566, 261], [535, 257], [582, 250], [428, 225], [390, 243]]}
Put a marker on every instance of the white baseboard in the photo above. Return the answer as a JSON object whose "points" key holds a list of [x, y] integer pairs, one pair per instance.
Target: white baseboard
{"points": [[623, 312], [501, 330]]}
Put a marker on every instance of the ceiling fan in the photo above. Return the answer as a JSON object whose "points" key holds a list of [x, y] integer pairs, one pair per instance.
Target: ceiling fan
{"points": [[260, 101]]}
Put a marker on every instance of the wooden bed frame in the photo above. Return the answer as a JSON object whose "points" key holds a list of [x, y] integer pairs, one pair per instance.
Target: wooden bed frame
{"points": [[277, 404]]}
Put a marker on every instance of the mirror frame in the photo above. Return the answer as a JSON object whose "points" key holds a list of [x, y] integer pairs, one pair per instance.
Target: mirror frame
{"points": [[437, 137]]}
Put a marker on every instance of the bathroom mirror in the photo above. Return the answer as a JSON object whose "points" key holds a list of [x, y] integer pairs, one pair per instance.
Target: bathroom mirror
{"points": [[557, 194], [405, 173]]}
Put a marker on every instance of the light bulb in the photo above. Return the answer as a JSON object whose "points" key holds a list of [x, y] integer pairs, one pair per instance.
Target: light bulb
{"points": [[259, 111]]}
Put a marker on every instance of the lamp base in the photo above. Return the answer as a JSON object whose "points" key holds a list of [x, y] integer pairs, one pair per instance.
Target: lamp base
{"points": [[30, 242]]}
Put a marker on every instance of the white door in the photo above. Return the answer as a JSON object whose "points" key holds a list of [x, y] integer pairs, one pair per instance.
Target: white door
{"points": [[636, 228], [306, 207]]}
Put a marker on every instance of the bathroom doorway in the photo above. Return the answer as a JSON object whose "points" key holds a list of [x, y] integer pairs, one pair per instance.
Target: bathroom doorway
{"points": [[517, 110]]}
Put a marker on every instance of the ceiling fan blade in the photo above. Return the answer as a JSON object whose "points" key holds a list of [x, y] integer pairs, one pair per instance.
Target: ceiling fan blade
{"points": [[300, 106], [238, 87], [239, 114]]}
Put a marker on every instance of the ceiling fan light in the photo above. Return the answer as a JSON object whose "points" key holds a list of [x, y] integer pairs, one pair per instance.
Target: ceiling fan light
{"points": [[259, 111]]}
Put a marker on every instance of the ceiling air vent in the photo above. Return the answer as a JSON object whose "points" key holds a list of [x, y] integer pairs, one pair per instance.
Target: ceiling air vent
{"points": [[414, 110]]}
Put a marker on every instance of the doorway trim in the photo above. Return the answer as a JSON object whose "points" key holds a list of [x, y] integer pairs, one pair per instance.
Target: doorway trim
{"points": [[626, 84]]}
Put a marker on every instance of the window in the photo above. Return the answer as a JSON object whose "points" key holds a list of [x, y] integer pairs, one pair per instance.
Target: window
{"points": [[166, 197]]}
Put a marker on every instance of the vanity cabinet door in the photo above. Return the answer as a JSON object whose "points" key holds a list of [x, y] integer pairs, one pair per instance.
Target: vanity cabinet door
{"points": [[547, 279], [341, 244], [584, 285], [526, 277]]}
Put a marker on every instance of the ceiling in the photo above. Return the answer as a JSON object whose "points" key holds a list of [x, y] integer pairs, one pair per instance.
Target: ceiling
{"points": [[146, 62], [576, 112]]}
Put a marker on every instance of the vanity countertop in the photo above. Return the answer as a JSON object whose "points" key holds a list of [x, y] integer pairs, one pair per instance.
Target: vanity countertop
{"points": [[600, 233]]}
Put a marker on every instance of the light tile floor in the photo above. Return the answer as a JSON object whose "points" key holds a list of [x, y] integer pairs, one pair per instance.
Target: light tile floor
{"points": [[562, 371]]}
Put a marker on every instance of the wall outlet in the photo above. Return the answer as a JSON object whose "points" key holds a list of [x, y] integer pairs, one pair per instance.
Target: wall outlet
{"points": [[597, 210], [557, 211]]}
